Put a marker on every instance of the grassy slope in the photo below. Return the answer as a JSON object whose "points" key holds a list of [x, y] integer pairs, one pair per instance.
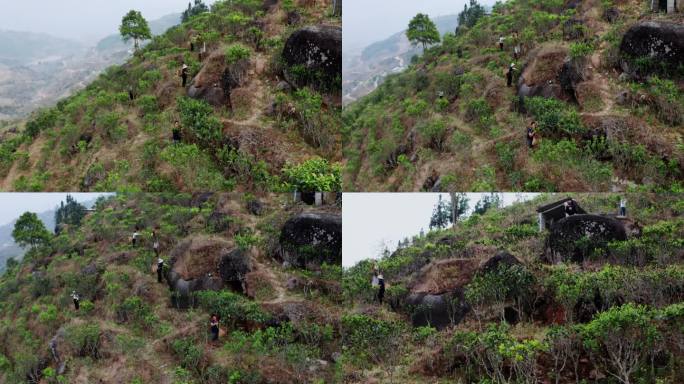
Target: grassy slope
{"points": [[482, 140], [425, 356], [130, 147], [140, 350]]}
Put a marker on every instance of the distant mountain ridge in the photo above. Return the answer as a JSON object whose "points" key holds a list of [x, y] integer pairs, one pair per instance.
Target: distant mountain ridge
{"points": [[36, 70], [363, 73]]}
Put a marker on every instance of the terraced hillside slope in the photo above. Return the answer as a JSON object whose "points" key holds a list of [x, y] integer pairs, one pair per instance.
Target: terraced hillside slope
{"points": [[268, 267], [594, 297], [260, 108], [602, 81]]}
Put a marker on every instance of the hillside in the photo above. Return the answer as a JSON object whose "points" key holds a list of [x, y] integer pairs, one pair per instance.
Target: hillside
{"points": [[594, 297], [36, 70], [261, 106], [362, 73], [603, 84], [269, 267]]}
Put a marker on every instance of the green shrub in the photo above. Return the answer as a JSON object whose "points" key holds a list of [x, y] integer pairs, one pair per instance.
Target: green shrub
{"points": [[45, 119], [581, 49], [232, 308], [313, 175], [237, 52], [85, 339], [415, 108], [479, 112], [197, 116], [554, 117], [433, 132], [133, 309], [148, 104]]}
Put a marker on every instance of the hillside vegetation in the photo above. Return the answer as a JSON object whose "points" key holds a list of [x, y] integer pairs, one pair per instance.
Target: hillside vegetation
{"points": [[244, 127], [227, 254], [607, 118], [483, 303]]}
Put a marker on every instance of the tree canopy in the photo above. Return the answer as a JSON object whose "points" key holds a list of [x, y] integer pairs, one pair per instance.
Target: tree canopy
{"points": [[194, 10], [448, 212], [470, 15], [422, 30], [29, 231], [492, 200], [134, 26], [70, 213]]}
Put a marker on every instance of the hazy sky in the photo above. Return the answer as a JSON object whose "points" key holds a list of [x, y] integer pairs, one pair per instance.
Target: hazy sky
{"points": [[372, 219], [368, 21], [84, 20], [12, 205]]}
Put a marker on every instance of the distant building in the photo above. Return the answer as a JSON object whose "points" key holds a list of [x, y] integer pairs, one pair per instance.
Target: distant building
{"points": [[550, 213]]}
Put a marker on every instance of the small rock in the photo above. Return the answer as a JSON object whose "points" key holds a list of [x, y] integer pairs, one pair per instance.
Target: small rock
{"points": [[283, 86], [622, 98]]}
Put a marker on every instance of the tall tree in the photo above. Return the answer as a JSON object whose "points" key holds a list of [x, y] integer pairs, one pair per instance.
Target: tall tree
{"points": [[441, 214], [470, 15], [198, 8], [134, 26], [422, 30], [459, 206], [493, 200], [70, 213], [29, 231]]}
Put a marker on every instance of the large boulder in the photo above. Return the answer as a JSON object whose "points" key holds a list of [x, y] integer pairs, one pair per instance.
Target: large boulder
{"points": [[576, 237], [502, 258], [207, 85], [313, 56], [311, 239], [540, 75], [662, 43], [439, 310], [234, 266]]}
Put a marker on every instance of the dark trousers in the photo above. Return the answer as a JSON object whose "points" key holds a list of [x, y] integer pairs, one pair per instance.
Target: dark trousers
{"points": [[214, 333], [159, 274], [623, 211], [381, 294], [133, 241], [185, 79], [501, 46], [509, 79], [76, 304]]}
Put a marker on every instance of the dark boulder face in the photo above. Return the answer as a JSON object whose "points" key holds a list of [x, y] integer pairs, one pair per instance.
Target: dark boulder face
{"points": [[313, 56], [437, 310], [233, 266], [311, 239], [576, 237], [502, 258], [255, 207], [660, 43]]}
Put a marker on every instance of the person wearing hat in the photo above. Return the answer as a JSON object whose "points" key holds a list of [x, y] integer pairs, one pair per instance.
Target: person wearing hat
{"points": [[381, 291], [76, 299], [184, 74], [531, 132], [160, 269], [509, 75], [214, 327]]}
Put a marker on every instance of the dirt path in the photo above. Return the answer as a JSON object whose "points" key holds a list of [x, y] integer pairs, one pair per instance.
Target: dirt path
{"points": [[257, 91], [603, 87], [276, 281]]}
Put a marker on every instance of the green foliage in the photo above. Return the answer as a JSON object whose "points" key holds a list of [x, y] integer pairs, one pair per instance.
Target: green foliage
{"points": [[415, 108], [84, 339], [433, 132], [554, 117], [581, 49], [494, 287], [470, 15], [231, 307], [134, 26], [237, 52], [197, 117], [193, 10], [371, 340], [189, 353], [44, 120], [70, 213], [623, 337], [148, 104], [421, 30], [479, 112], [133, 309], [29, 231], [313, 175]]}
